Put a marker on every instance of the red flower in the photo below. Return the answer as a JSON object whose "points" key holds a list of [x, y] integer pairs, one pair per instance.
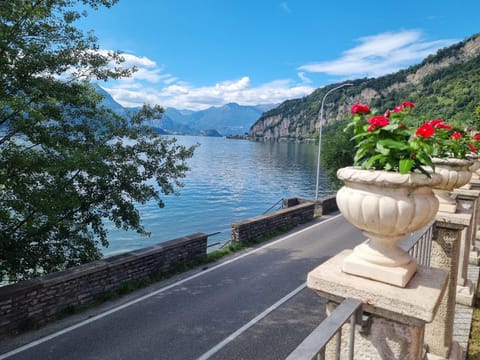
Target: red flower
{"points": [[408, 104], [456, 135], [439, 124], [425, 131], [398, 109], [472, 147], [360, 109], [434, 122], [443, 126], [387, 114], [476, 137], [377, 121]]}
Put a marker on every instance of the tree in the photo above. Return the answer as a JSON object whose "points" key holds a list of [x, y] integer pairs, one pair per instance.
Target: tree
{"points": [[337, 151], [67, 163], [477, 118]]}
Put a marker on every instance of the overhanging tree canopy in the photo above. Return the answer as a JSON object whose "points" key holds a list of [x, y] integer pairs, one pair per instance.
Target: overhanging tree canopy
{"points": [[67, 163]]}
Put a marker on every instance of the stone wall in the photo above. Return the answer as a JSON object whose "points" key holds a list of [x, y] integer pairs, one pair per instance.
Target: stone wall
{"points": [[39, 300], [328, 204], [323, 206], [260, 225]]}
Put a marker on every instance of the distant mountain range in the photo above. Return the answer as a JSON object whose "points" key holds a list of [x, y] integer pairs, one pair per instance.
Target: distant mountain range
{"points": [[229, 119]]}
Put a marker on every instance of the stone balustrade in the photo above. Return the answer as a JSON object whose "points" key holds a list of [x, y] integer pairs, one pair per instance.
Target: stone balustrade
{"points": [[415, 322]]}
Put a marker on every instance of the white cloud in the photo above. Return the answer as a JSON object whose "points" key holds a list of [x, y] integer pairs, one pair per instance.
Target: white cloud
{"points": [[142, 61], [232, 86], [239, 91], [304, 78], [379, 55], [374, 56], [185, 96], [150, 85]]}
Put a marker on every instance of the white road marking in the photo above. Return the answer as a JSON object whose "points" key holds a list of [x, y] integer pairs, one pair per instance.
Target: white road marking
{"points": [[252, 322], [121, 307]]}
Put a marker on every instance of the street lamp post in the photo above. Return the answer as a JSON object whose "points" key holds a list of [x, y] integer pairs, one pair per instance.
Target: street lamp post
{"points": [[320, 134]]}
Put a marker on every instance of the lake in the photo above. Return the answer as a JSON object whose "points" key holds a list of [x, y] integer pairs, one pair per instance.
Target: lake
{"points": [[230, 180]]}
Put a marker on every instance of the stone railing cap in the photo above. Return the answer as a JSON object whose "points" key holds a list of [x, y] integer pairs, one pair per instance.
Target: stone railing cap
{"points": [[415, 304]]}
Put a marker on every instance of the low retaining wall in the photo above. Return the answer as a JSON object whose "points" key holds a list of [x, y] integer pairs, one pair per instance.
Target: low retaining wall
{"points": [[260, 225], [323, 206], [39, 300]]}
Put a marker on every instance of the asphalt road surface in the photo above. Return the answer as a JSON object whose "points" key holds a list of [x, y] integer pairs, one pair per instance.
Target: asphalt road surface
{"points": [[253, 305]]}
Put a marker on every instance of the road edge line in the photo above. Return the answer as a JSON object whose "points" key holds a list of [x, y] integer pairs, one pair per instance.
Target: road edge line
{"points": [[149, 295]]}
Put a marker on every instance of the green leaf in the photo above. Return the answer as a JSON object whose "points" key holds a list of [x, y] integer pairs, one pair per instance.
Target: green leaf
{"points": [[393, 144], [382, 149], [370, 163], [405, 165]]}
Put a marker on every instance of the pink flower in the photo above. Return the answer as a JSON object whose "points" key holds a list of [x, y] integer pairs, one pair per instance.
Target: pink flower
{"points": [[408, 104], [360, 109], [377, 121], [398, 109], [425, 131]]}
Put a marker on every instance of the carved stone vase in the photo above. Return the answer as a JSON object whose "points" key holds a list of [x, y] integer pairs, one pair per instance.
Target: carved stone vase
{"points": [[475, 167], [455, 173], [386, 206]]}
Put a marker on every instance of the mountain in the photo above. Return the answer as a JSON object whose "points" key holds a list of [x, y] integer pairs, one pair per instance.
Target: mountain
{"points": [[229, 119], [445, 85], [109, 102]]}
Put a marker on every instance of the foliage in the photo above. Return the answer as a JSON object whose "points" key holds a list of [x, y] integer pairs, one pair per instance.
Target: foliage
{"points": [[477, 117], [336, 152], [448, 91], [386, 142], [67, 163], [448, 141]]}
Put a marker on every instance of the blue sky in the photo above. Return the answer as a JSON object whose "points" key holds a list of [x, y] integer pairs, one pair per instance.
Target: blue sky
{"points": [[193, 54]]}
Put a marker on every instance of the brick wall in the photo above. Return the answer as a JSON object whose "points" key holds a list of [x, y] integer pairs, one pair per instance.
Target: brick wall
{"points": [[40, 299], [260, 225]]}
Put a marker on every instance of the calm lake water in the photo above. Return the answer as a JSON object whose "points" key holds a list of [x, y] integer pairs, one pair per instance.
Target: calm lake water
{"points": [[229, 180]]}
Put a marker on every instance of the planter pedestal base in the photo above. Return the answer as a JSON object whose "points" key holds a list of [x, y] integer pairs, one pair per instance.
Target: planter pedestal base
{"points": [[399, 275], [446, 202], [448, 208]]}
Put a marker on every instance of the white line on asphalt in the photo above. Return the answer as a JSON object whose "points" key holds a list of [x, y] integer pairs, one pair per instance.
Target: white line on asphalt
{"points": [[121, 307], [252, 322]]}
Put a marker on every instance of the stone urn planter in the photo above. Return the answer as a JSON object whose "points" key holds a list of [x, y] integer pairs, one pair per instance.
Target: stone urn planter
{"points": [[474, 168], [386, 206], [455, 173]]}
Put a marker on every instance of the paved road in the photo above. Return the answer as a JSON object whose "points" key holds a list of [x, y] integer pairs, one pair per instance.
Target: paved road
{"points": [[253, 305]]}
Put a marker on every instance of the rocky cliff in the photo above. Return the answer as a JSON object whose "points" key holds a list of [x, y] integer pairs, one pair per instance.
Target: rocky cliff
{"points": [[446, 84]]}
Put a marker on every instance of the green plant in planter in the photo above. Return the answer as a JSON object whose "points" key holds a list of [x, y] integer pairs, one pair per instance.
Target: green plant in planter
{"points": [[386, 142], [449, 142]]}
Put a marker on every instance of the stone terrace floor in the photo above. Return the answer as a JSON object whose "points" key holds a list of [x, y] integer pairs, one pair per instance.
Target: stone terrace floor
{"points": [[464, 314]]}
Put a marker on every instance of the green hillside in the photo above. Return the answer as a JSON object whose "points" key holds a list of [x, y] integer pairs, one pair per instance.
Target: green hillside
{"points": [[445, 85]]}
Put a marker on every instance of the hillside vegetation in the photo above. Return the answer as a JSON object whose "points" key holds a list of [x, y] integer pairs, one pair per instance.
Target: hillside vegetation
{"points": [[445, 85]]}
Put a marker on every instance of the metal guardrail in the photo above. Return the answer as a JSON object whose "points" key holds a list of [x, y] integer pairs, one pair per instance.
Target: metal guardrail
{"points": [[274, 205], [313, 347], [419, 244]]}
